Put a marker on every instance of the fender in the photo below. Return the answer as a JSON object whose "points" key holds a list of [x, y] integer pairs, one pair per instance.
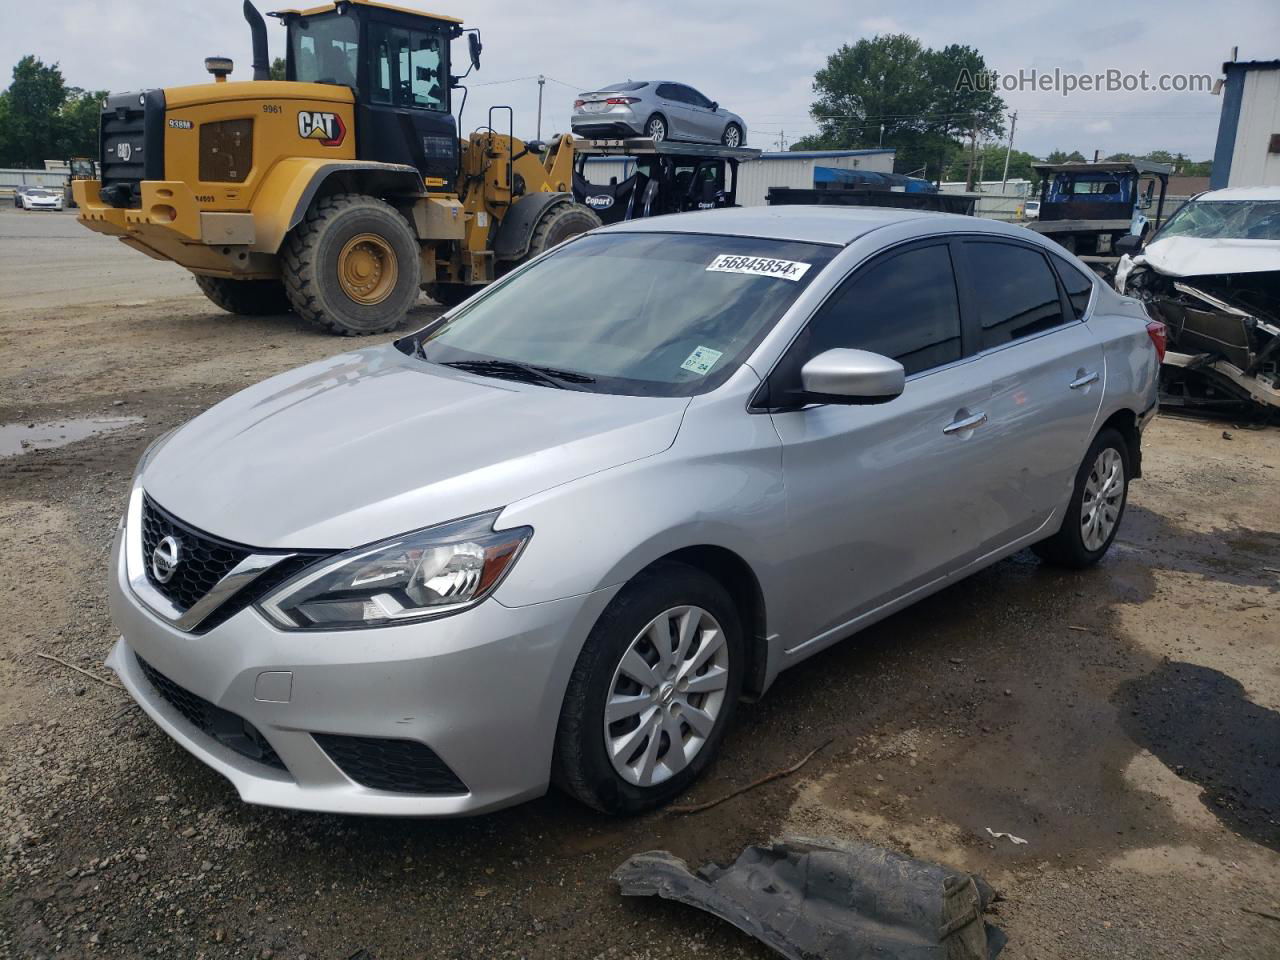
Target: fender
{"points": [[294, 182], [516, 230]]}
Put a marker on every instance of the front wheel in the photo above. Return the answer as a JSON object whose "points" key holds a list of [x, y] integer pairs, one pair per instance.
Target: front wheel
{"points": [[652, 693], [1097, 505], [351, 266], [732, 136]]}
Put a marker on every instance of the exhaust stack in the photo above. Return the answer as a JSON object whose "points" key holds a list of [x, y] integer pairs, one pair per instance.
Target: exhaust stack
{"points": [[258, 30]]}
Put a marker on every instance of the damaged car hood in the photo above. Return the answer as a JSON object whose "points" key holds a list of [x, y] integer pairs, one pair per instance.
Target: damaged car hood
{"points": [[1194, 257], [367, 445]]}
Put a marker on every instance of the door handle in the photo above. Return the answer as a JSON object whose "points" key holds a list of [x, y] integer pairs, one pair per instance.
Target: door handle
{"points": [[968, 423], [1084, 381]]}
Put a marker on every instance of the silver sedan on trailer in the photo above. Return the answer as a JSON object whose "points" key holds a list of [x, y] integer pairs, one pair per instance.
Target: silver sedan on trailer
{"points": [[658, 109], [558, 533]]}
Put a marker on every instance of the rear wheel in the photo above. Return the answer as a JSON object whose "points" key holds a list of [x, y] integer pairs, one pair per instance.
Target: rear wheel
{"points": [[732, 136], [248, 298], [558, 224], [352, 265], [656, 128], [652, 693], [1096, 508]]}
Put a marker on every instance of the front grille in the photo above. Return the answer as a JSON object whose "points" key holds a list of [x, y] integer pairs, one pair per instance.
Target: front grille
{"points": [[401, 766], [224, 726], [132, 145], [203, 559]]}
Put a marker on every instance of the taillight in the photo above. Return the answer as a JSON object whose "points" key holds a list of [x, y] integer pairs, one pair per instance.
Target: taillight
{"points": [[578, 103], [620, 101], [1159, 339]]}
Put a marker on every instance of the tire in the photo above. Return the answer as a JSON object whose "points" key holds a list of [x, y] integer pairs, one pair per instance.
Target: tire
{"points": [[351, 267], [655, 128], [582, 765], [562, 221], [247, 298], [733, 133], [1072, 545]]}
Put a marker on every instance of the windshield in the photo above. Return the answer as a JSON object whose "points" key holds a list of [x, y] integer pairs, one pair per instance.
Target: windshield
{"points": [[1225, 219], [645, 314], [324, 49]]}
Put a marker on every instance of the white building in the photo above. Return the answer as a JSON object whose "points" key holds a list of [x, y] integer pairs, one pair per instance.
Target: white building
{"points": [[1248, 149], [781, 169]]}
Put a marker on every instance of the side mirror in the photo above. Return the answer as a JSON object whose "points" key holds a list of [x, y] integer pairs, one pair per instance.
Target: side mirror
{"points": [[474, 46], [852, 377], [1129, 243], [714, 106]]}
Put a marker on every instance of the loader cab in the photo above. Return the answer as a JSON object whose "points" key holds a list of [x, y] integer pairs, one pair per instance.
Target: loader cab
{"points": [[397, 64]]}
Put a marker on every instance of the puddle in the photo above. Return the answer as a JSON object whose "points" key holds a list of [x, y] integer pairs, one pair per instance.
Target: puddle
{"points": [[19, 438], [1202, 726]]}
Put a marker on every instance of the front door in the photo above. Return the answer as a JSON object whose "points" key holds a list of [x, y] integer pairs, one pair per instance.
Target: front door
{"points": [[404, 115], [884, 499]]}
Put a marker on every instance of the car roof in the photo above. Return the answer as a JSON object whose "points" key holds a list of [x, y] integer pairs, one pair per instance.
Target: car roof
{"points": [[809, 224], [1241, 193]]}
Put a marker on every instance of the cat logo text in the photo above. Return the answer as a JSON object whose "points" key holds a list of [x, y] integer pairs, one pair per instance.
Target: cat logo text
{"points": [[328, 128]]}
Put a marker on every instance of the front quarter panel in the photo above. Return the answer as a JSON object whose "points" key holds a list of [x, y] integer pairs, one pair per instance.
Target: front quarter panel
{"points": [[720, 484]]}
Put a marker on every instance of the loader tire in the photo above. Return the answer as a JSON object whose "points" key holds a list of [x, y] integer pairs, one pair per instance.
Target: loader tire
{"points": [[558, 224], [248, 298], [351, 266]]}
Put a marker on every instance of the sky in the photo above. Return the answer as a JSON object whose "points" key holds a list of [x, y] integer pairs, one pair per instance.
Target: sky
{"points": [[757, 59]]}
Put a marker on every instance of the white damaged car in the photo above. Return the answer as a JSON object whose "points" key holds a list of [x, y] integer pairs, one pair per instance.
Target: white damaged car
{"points": [[1212, 274]]}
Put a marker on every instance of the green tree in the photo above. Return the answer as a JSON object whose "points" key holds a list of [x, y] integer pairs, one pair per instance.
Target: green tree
{"points": [[1059, 156], [30, 132], [893, 90], [79, 120], [277, 68]]}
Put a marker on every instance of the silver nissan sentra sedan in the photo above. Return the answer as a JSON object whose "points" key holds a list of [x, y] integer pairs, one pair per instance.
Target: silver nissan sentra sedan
{"points": [[555, 535]]}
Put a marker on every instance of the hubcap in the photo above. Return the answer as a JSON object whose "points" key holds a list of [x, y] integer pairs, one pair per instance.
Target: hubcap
{"points": [[1103, 497], [367, 268], [666, 695]]}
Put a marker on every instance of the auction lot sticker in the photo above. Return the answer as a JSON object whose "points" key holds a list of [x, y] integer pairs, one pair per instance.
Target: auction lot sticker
{"points": [[759, 266]]}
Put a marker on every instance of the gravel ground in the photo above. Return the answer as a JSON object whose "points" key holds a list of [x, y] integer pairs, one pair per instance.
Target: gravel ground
{"points": [[1122, 720]]}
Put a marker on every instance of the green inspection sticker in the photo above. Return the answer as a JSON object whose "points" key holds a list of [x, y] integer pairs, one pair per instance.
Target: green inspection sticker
{"points": [[701, 361]]}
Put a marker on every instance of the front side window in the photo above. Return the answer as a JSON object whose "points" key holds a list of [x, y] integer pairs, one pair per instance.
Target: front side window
{"points": [[645, 314], [325, 49], [902, 306], [1016, 292], [408, 68]]}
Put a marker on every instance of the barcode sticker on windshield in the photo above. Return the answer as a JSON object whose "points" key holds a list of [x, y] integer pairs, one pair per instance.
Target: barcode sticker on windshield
{"points": [[759, 266], [701, 361]]}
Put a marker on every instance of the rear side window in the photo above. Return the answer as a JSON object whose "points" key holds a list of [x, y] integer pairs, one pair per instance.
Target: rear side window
{"points": [[1079, 285], [1016, 292], [902, 306]]}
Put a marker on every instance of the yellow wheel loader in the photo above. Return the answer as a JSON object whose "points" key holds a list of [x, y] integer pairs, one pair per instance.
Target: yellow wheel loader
{"points": [[341, 191]]}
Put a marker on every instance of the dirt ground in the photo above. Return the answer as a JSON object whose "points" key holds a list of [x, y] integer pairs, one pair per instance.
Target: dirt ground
{"points": [[1125, 721]]}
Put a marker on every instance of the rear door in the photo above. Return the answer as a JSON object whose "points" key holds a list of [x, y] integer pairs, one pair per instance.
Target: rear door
{"points": [[882, 499], [1046, 371], [674, 109]]}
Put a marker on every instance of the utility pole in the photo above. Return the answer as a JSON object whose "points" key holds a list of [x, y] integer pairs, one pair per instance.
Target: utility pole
{"points": [[973, 158], [1013, 124], [541, 83]]}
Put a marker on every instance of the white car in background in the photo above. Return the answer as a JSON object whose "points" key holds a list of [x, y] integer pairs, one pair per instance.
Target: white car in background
{"points": [[1031, 210], [41, 198]]}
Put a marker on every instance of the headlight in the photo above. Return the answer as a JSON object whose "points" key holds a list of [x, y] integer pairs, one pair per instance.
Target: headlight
{"points": [[425, 574]]}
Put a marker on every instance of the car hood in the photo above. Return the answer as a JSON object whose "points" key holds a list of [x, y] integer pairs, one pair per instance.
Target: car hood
{"points": [[367, 445], [1195, 257]]}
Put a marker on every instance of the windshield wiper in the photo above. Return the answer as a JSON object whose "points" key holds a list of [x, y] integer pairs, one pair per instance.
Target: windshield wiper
{"points": [[521, 372]]}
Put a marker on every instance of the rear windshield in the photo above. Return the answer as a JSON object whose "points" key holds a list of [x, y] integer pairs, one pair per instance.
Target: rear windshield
{"points": [[645, 314], [629, 85], [325, 49]]}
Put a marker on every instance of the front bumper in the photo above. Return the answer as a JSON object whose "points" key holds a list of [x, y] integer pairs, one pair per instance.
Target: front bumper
{"points": [[482, 689], [168, 224]]}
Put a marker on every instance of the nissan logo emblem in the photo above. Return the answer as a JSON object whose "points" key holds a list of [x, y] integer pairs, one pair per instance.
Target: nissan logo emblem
{"points": [[165, 559]]}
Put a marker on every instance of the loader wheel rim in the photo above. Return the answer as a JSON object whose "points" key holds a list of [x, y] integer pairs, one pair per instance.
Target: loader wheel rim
{"points": [[367, 268]]}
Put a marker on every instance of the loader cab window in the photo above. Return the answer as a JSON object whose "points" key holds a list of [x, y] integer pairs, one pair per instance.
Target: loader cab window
{"points": [[408, 67], [325, 49]]}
